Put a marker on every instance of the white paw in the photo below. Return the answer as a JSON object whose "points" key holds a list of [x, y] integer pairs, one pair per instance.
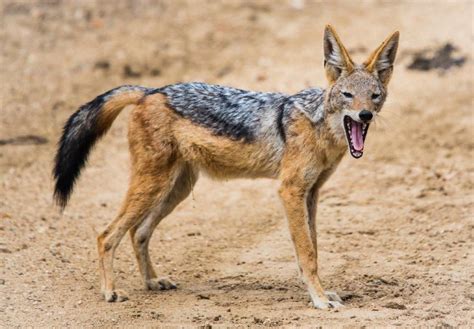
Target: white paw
{"points": [[160, 284], [331, 300], [333, 296], [113, 296], [334, 304], [320, 303]]}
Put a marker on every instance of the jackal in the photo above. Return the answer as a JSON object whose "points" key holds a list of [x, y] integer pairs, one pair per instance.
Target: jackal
{"points": [[180, 130]]}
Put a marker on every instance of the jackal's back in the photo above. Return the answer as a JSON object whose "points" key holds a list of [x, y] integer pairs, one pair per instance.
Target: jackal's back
{"points": [[226, 111]]}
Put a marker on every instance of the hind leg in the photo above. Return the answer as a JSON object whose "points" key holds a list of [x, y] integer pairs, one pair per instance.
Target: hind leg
{"points": [[141, 234], [155, 169], [146, 188]]}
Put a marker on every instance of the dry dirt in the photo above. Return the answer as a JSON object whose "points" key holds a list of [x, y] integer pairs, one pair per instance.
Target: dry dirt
{"points": [[395, 228]]}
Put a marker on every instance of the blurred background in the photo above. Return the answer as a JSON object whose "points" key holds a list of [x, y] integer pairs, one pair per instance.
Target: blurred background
{"points": [[395, 228]]}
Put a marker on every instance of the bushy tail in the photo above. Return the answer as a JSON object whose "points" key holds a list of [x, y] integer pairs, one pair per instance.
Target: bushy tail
{"points": [[83, 129]]}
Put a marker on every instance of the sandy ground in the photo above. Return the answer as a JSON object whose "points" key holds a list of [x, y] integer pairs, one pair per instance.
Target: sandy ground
{"points": [[395, 228]]}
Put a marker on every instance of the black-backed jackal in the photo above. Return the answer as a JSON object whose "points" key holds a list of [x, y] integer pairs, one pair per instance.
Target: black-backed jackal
{"points": [[180, 130]]}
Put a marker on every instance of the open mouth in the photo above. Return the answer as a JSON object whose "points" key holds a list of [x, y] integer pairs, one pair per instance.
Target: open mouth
{"points": [[355, 134]]}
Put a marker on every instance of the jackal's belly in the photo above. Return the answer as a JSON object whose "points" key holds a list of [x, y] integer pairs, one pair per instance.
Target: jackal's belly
{"points": [[222, 157]]}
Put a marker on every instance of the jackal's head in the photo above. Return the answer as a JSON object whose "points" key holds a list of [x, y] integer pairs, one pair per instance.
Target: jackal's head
{"points": [[357, 91]]}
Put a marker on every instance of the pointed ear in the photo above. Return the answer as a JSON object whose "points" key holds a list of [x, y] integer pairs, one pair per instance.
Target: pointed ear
{"points": [[336, 58], [380, 62]]}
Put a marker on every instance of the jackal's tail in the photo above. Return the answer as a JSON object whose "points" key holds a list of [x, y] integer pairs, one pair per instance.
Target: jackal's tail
{"points": [[82, 130]]}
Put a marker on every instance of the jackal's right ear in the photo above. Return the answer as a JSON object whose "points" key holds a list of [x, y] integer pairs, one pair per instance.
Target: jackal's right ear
{"points": [[336, 58]]}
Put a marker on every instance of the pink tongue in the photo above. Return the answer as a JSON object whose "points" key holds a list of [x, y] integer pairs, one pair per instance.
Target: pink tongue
{"points": [[356, 135]]}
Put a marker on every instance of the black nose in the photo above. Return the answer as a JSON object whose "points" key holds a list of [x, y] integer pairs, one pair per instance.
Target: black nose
{"points": [[365, 115]]}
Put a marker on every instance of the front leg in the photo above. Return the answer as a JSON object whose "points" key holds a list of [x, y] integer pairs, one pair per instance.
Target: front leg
{"points": [[312, 204], [312, 199], [295, 200]]}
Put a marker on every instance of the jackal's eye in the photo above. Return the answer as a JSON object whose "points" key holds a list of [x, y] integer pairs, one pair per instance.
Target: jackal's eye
{"points": [[375, 96], [347, 95]]}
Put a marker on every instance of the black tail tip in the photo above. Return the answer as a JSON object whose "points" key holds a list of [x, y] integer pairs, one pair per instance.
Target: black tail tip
{"points": [[60, 198], [63, 186]]}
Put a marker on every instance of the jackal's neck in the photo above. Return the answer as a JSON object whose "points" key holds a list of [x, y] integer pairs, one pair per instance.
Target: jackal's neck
{"points": [[328, 126]]}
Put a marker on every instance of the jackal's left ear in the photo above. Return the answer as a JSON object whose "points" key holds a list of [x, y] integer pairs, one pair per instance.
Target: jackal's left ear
{"points": [[380, 62], [336, 58]]}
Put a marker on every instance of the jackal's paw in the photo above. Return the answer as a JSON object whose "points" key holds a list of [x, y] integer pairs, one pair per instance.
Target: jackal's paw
{"points": [[324, 305], [160, 284], [115, 296], [334, 304], [331, 300], [333, 296]]}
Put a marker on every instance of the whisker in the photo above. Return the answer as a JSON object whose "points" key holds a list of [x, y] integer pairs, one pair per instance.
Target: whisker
{"points": [[381, 122], [384, 124], [392, 113]]}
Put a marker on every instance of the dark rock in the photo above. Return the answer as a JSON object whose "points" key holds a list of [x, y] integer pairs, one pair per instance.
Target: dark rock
{"points": [[442, 59], [129, 72], [102, 65], [395, 306], [347, 295], [155, 72]]}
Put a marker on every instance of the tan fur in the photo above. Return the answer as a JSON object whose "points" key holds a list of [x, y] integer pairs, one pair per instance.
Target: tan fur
{"points": [[221, 157], [112, 108]]}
